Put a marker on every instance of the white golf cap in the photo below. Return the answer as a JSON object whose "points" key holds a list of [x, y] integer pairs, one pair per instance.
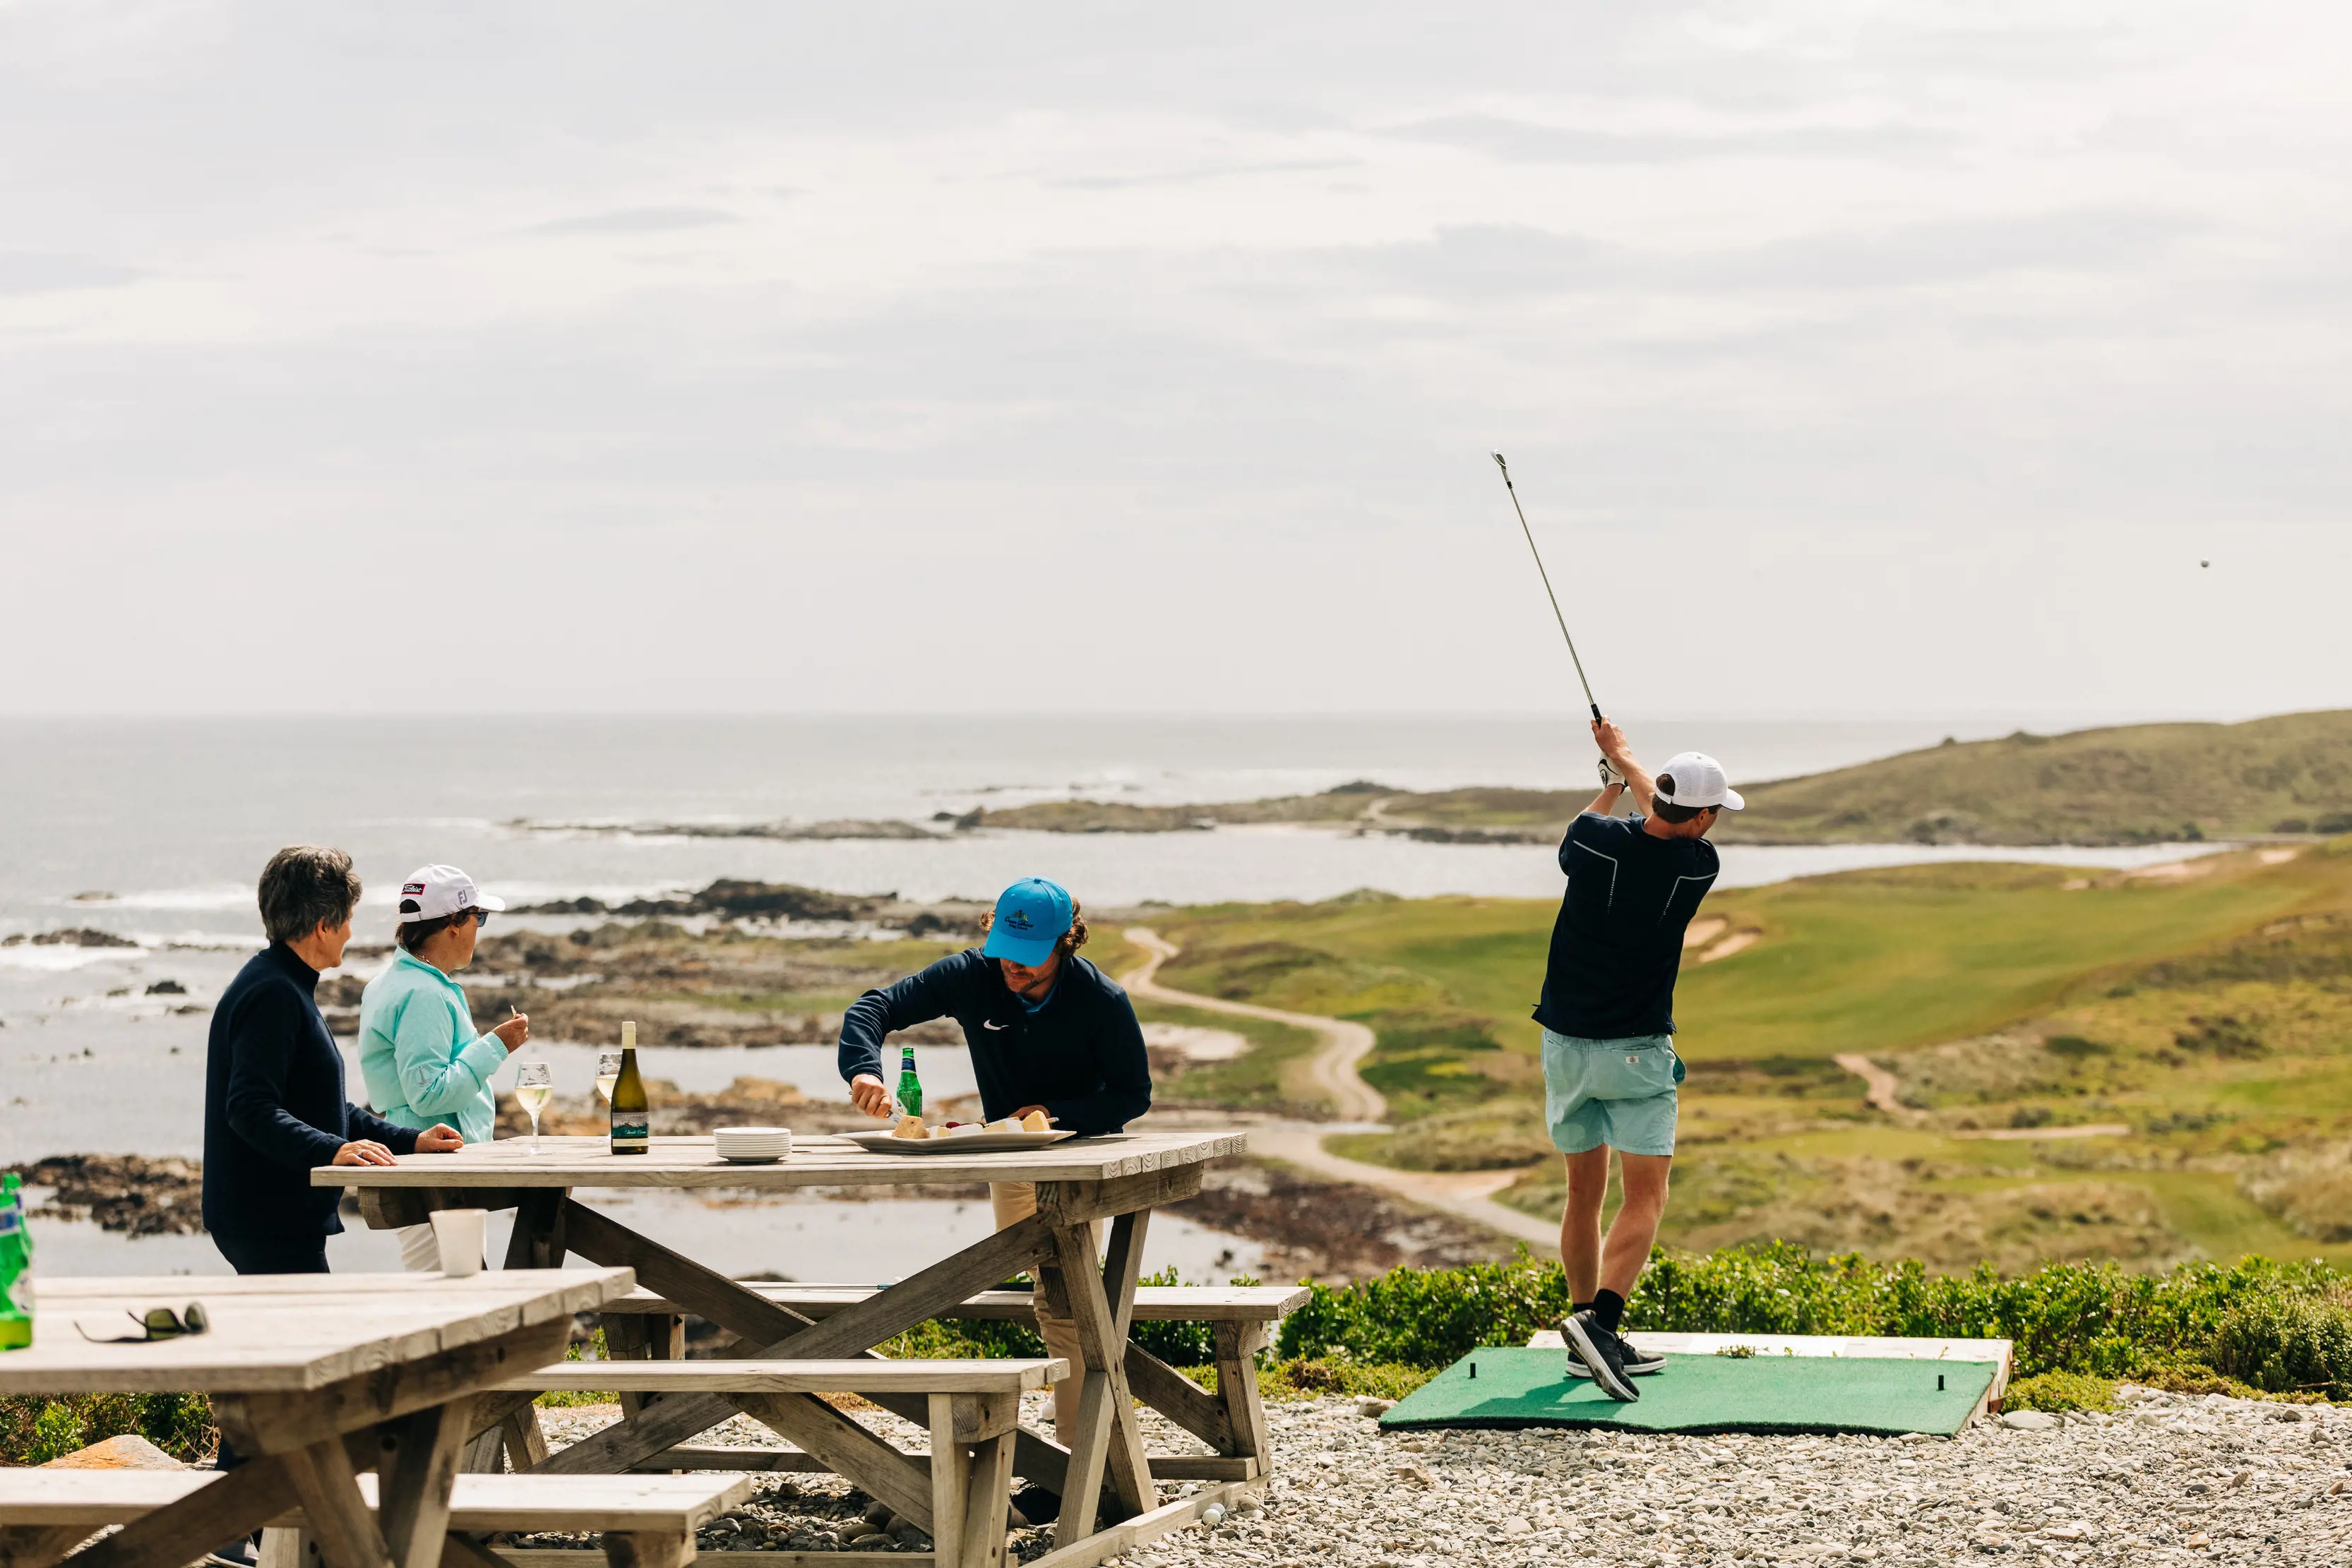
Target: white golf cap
{"points": [[1694, 778], [432, 891]]}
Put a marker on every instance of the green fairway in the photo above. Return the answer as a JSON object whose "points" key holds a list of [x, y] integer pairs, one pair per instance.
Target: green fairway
{"points": [[2205, 1008], [1864, 961]]}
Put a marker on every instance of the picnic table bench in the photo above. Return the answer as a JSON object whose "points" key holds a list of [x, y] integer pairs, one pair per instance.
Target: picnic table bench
{"points": [[1119, 1177], [1231, 1421], [647, 1522]]}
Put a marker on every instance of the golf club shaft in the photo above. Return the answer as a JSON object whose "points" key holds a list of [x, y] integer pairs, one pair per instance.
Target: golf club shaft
{"points": [[1556, 615]]}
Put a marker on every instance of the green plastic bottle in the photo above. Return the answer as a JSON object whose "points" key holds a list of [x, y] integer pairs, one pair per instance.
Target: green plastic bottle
{"points": [[15, 1269], [910, 1088]]}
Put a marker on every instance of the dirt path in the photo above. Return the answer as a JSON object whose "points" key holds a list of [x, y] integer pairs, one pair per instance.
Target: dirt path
{"points": [[1880, 1092], [1881, 1082], [1333, 1069], [1467, 1194]]}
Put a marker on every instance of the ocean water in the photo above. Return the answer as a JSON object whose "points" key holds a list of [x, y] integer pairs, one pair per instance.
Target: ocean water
{"points": [[155, 830]]}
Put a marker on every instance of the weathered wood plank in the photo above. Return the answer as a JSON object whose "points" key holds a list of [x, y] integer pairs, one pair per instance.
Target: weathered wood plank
{"points": [[418, 1466], [1074, 1202], [272, 1422], [560, 1557], [699, 1290], [951, 1484], [921, 1296], [1238, 1345], [538, 1240], [856, 1375], [220, 1508], [818, 1161], [1153, 1303], [988, 1500], [818, 1429], [38, 1545], [1142, 1529], [1179, 1398], [647, 1549], [347, 1531], [284, 1333]]}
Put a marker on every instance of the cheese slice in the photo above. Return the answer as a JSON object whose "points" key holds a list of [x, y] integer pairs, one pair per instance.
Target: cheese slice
{"points": [[1035, 1123]]}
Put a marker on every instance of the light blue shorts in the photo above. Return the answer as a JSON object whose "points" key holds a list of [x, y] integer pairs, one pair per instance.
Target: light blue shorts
{"points": [[1619, 1092]]}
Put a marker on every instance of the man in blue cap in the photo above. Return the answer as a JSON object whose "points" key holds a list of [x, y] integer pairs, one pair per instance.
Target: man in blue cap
{"points": [[1048, 1031]]}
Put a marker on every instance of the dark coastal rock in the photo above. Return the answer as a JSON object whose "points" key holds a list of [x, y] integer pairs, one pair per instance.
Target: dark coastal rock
{"points": [[733, 899], [167, 989], [129, 1193], [72, 936]]}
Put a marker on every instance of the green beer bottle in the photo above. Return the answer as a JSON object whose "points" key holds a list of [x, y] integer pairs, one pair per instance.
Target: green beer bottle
{"points": [[910, 1088], [15, 1269]]}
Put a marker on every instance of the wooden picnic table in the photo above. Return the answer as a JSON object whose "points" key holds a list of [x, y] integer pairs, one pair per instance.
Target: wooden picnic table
{"points": [[313, 1377], [1122, 1177]]}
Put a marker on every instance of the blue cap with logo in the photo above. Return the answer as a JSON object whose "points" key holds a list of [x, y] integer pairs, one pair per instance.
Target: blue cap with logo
{"points": [[1031, 916]]}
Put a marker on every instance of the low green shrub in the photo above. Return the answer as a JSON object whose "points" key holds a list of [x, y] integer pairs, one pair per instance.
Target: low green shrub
{"points": [[2288, 1343], [2093, 1319], [35, 1431], [2059, 1391]]}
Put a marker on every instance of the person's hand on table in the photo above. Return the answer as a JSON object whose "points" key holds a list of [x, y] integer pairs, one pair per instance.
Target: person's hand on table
{"points": [[869, 1094], [440, 1139], [514, 1031], [363, 1152]]}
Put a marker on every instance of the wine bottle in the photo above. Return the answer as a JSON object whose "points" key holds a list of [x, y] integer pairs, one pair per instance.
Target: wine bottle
{"points": [[910, 1088], [632, 1123]]}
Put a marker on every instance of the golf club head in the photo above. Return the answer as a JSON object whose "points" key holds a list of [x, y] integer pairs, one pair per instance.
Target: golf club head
{"points": [[1504, 466]]}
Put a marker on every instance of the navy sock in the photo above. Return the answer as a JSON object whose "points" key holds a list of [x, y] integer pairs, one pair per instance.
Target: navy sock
{"points": [[1608, 1309]]}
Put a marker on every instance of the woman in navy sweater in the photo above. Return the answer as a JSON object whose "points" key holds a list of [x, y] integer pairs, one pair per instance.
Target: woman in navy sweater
{"points": [[274, 1098]]}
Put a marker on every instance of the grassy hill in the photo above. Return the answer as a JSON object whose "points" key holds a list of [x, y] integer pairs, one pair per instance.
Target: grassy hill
{"points": [[2134, 784], [2206, 1008], [2139, 783]]}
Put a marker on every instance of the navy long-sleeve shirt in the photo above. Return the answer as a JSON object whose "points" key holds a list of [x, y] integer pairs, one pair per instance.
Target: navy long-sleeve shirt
{"points": [[1080, 1055], [274, 1104]]}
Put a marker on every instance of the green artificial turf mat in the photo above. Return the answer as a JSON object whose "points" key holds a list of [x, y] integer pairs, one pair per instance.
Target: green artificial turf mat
{"points": [[1516, 1387]]}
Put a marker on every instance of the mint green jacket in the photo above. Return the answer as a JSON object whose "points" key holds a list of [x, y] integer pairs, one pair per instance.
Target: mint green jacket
{"points": [[419, 1055]]}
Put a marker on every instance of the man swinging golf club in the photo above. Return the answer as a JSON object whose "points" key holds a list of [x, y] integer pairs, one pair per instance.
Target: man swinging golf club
{"points": [[1610, 1066]]}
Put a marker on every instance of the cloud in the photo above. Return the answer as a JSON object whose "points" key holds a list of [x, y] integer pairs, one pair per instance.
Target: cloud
{"points": [[1524, 141], [28, 272], [637, 221]]}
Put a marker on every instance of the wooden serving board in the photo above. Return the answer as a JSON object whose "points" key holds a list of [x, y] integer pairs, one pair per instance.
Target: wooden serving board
{"points": [[968, 1144]]}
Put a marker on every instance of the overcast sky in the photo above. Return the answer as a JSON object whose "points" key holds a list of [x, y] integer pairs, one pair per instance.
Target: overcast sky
{"points": [[1852, 358]]}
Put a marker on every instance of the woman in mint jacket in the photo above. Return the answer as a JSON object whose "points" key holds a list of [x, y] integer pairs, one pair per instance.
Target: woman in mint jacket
{"points": [[420, 1056]]}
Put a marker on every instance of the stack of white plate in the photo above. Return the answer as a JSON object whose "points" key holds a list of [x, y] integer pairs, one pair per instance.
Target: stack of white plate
{"points": [[753, 1145]]}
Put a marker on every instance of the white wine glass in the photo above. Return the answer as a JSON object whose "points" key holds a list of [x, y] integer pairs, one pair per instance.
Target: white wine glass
{"points": [[534, 1086], [608, 1073]]}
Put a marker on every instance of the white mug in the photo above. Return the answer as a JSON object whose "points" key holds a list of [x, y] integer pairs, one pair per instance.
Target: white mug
{"points": [[459, 1232]]}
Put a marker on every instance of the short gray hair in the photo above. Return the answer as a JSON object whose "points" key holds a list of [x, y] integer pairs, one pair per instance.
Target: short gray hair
{"points": [[305, 886]]}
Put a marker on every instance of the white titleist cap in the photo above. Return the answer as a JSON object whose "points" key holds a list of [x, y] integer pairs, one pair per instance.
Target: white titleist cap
{"points": [[1695, 779], [434, 891]]}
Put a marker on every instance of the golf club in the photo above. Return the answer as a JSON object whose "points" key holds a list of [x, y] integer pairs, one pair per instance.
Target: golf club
{"points": [[1547, 582]]}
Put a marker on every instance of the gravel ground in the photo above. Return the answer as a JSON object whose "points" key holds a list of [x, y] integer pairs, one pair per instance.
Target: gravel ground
{"points": [[2172, 1478]]}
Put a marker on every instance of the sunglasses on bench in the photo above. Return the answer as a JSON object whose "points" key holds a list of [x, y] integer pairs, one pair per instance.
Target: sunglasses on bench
{"points": [[155, 1323]]}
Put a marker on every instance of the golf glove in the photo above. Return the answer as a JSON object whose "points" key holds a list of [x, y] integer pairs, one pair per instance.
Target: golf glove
{"points": [[1609, 775]]}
